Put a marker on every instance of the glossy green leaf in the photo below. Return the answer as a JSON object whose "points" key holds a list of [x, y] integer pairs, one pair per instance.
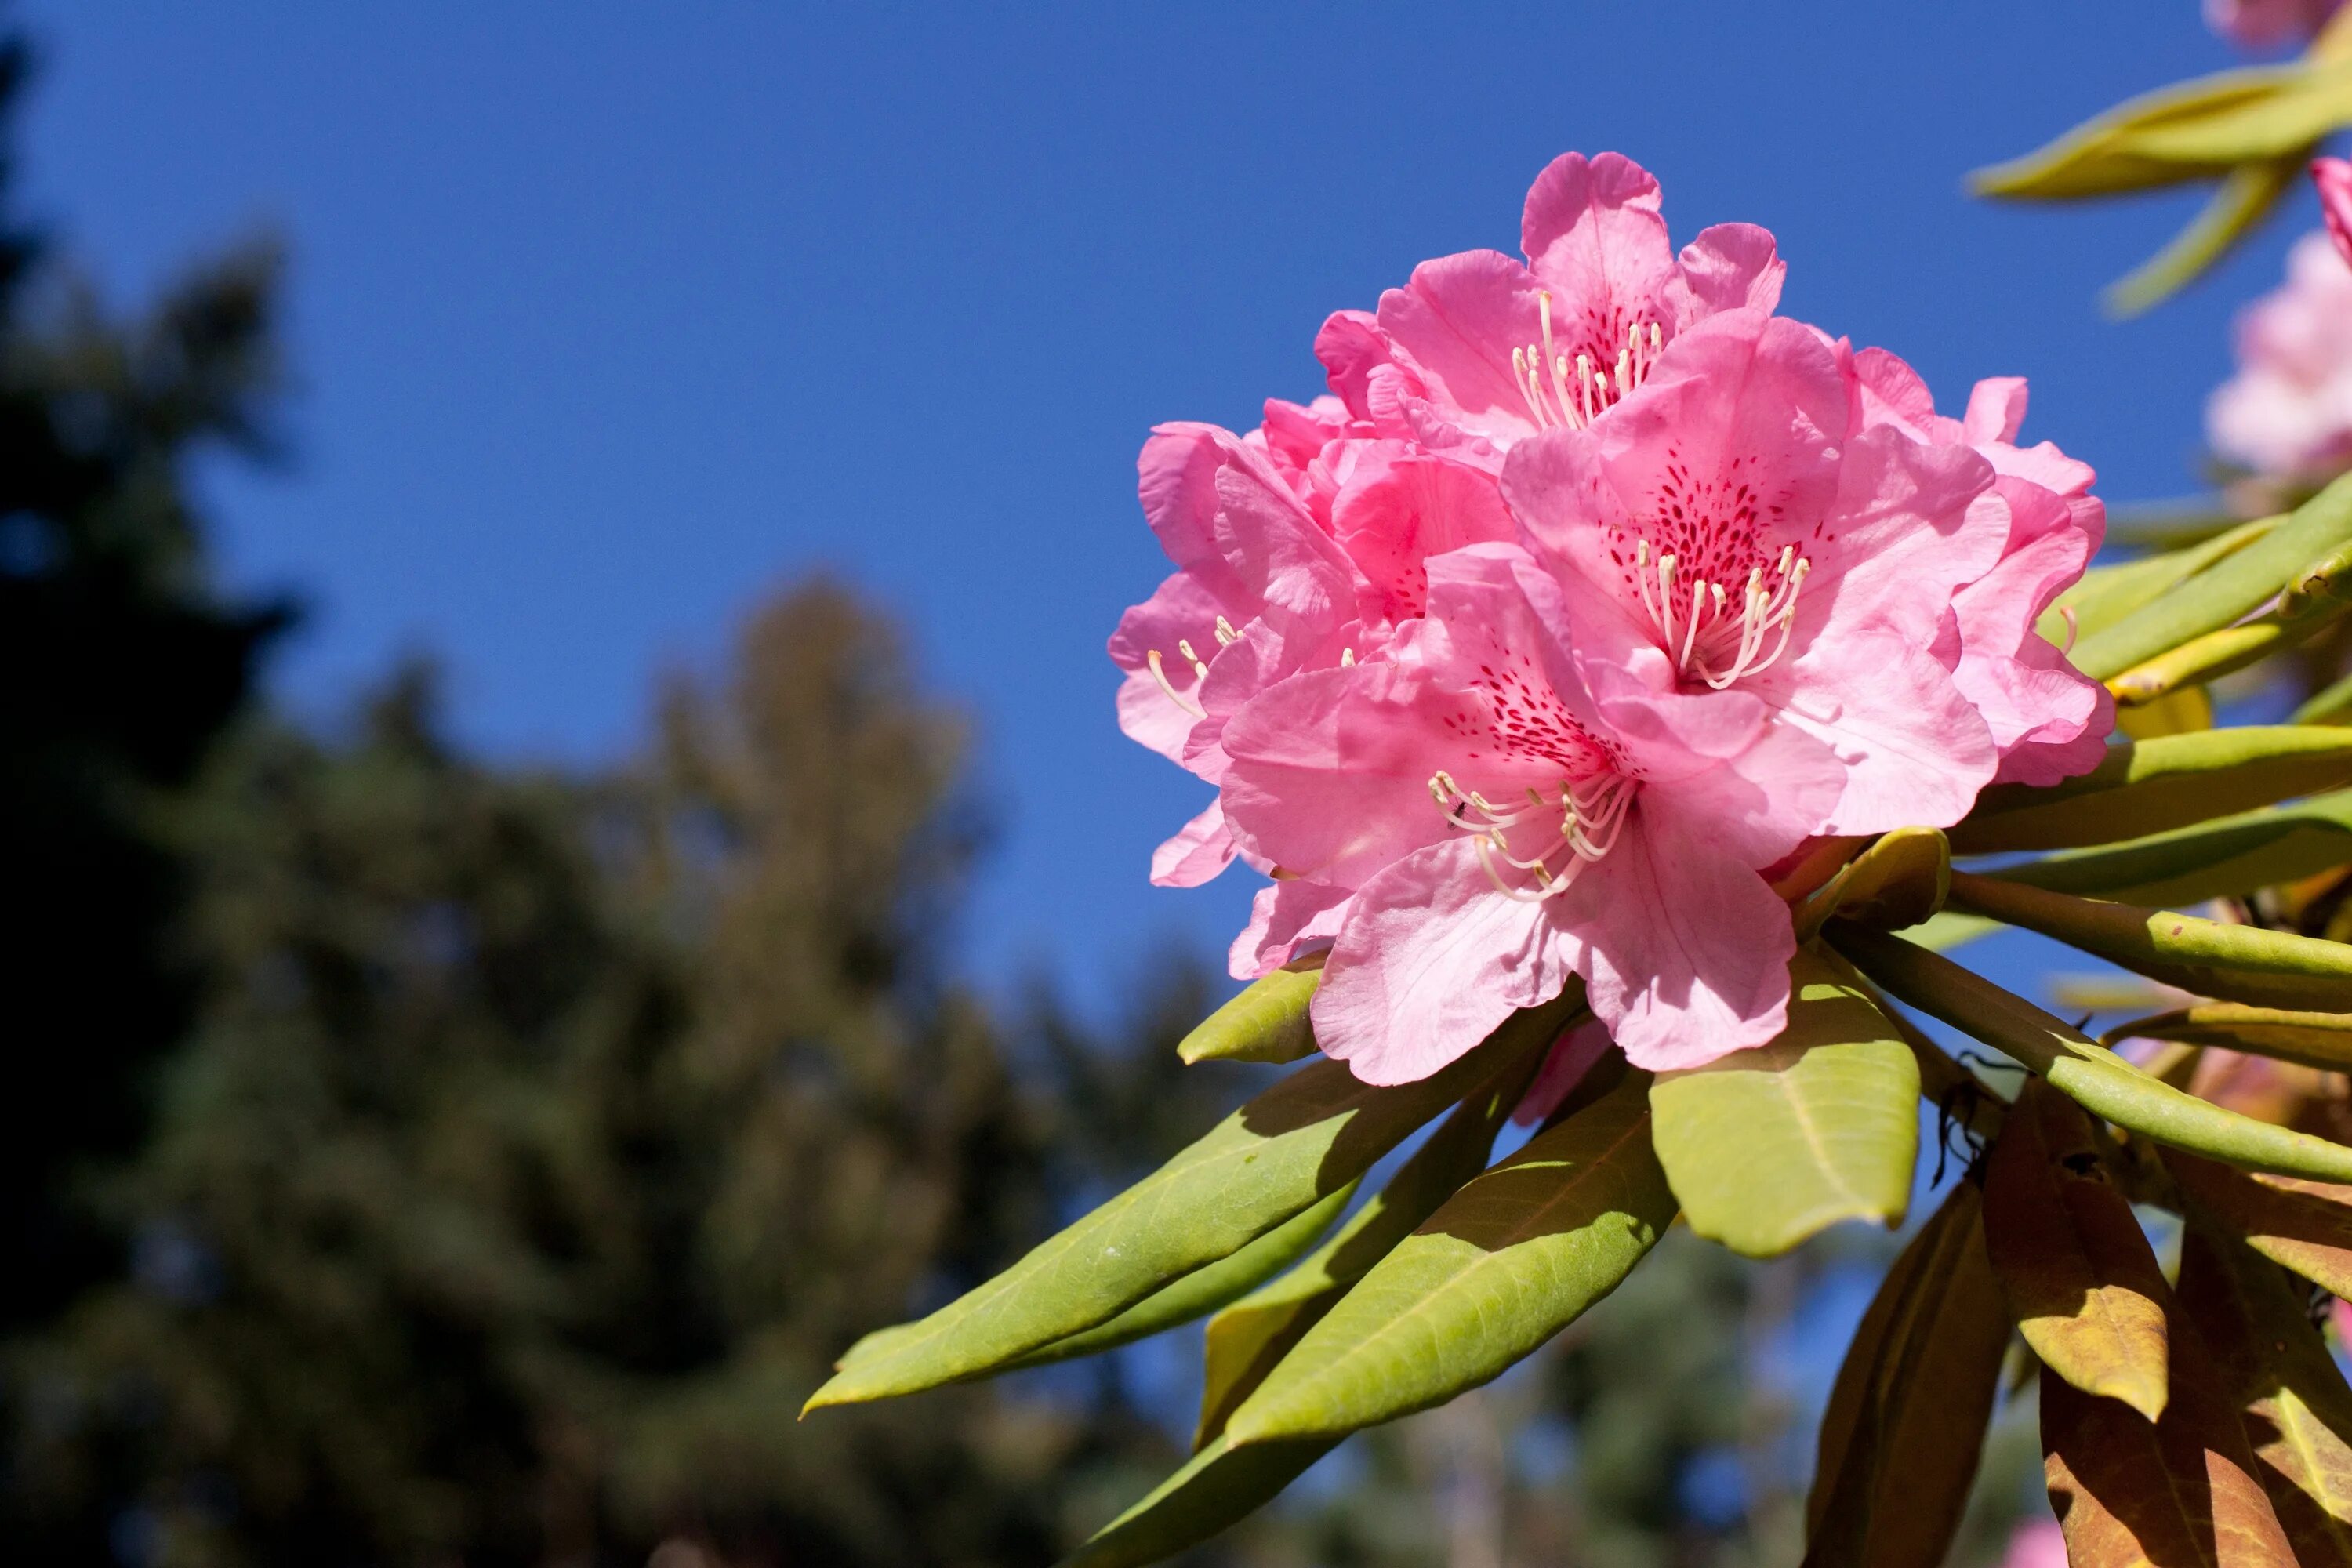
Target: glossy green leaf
{"points": [[1767, 1147], [1267, 1023], [2246, 196], [2275, 1372], [1900, 1439], [2223, 593], [2075, 1267], [1217, 1488], [2145, 787], [2106, 595], [2111, 153], [1246, 1340], [2303, 1225], [1515, 1256], [2086, 1072], [2207, 658], [2233, 855], [1305, 1138], [1898, 881], [2234, 962], [1205, 1289], [2322, 1040]]}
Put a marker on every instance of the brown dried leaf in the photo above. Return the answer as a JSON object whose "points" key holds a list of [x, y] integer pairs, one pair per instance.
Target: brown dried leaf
{"points": [[2305, 1225], [1905, 1423], [2073, 1265]]}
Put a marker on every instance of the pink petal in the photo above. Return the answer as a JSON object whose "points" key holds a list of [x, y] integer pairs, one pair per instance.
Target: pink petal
{"points": [[1201, 850], [1350, 347], [1179, 610], [1593, 233], [1288, 917], [1571, 1056], [1455, 324], [1996, 410], [1730, 267], [2334, 178], [1399, 513], [1915, 749], [1431, 959]]}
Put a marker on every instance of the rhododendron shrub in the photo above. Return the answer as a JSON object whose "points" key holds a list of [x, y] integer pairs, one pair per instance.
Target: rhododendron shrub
{"points": [[1627, 695]]}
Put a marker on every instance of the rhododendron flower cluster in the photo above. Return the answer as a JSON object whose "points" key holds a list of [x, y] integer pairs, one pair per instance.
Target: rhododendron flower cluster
{"points": [[2287, 413], [1594, 593]]}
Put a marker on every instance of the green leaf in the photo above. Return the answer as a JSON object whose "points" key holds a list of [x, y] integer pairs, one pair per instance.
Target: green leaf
{"points": [[2106, 595], [2234, 855], [2322, 1040], [2090, 1075], [2303, 1225], [1905, 1420], [2224, 592], [1267, 1023], [1898, 881], [1767, 1147], [1205, 1289], [2114, 151], [2236, 962], [2143, 787], [2274, 1371], [1217, 1487], [1301, 1141], [2246, 197], [2076, 1269], [1246, 1340], [1515, 1256]]}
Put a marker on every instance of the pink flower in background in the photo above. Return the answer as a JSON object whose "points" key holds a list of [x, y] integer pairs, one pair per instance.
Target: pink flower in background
{"points": [[2287, 414], [1724, 536], [2334, 178], [1297, 547], [1489, 813], [2268, 24], [2049, 720], [2040, 1544], [1479, 350]]}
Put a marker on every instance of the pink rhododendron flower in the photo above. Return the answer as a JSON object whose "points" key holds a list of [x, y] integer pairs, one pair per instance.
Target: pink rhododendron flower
{"points": [[1490, 812], [1479, 350], [2334, 178], [1724, 532], [2268, 24], [2287, 414], [1297, 547], [2049, 720]]}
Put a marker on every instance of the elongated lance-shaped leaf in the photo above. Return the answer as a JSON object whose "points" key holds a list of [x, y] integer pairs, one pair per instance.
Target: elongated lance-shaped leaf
{"points": [[2214, 859], [2292, 1403], [1767, 1147], [2303, 1225], [2188, 712], [2180, 1490], [2106, 595], [2322, 1040], [2075, 1267], [2234, 963], [1907, 1417], [2224, 592], [1205, 1289], [2153, 786], [1217, 1487], [2087, 1073], [1508, 1261], [2311, 602], [1267, 1023], [1297, 1143], [1246, 1340], [2246, 196], [2106, 155], [1898, 881]]}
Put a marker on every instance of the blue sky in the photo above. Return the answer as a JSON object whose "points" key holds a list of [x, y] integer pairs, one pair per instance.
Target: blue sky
{"points": [[611, 318]]}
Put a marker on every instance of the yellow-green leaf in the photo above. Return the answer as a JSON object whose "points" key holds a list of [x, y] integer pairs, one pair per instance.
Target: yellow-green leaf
{"points": [[1205, 1289], [2246, 195], [2303, 1225], [1267, 1023], [2108, 154], [2190, 865], [2322, 1040], [2086, 1072], [2236, 962], [1767, 1147], [1246, 1340], [1907, 1416], [1215, 1487], [2144, 787], [2106, 595], [1297, 1143], [1515, 1256], [2074, 1265], [1898, 881]]}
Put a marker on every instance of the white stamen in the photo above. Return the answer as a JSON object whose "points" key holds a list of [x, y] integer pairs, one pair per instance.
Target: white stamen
{"points": [[1590, 812], [1178, 697], [2067, 613], [1184, 647], [1226, 635], [1710, 643]]}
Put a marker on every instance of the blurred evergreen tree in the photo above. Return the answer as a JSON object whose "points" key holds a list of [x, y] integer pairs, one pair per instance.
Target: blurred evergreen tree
{"points": [[121, 663]]}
